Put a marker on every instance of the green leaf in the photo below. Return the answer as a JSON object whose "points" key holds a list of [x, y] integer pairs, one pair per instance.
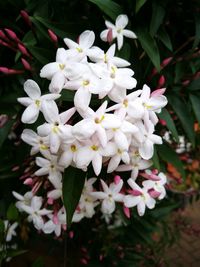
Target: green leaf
{"points": [[139, 4], [165, 115], [125, 52], [163, 211], [158, 15], [38, 263], [73, 182], [155, 159], [12, 213], [194, 85], [165, 38], [109, 7], [4, 131], [150, 47], [168, 155], [67, 95], [197, 31], [13, 253], [2, 226], [183, 113], [195, 100], [41, 54]]}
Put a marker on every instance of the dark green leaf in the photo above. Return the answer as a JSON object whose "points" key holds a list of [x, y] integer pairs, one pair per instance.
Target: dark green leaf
{"points": [[165, 38], [109, 7], [139, 4], [163, 211], [2, 226], [67, 95], [169, 155], [194, 85], [165, 115], [4, 131], [73, 182], [12, 213], [195, 100], [155, 159], [183, 113], [41, 54], [158, 15], [38, 263], [13, 253], [150, 47], [125, 52], [197, 33]]}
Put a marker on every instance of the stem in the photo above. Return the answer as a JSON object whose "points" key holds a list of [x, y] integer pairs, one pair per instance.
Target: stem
{"points": [[65, 251]]}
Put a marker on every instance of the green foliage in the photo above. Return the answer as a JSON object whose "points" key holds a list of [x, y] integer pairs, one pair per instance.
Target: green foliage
{"points": [[73, 182]]}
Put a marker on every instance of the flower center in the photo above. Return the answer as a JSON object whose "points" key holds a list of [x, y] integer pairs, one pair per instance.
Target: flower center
{"points": [[85, 82], [94, 148], [105, 58], [119, 30], [80, 50], [113, 71], [147, 106], [125, 103], [61, 66], [119, 151], [99, 120], [73, 148], [37, 102]]}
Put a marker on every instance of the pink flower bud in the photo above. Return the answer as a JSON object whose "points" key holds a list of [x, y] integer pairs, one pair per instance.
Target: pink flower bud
{"points": [[12, 35], [161, 81], [23, 50], [163, 122], [84, 261], [50, 201], [134, 192], [55, 218], [26, 17], [117, 179], [10, 71], [3, 36], [186, 82], [4, 70], [101, 257], [26, 65], [158, 92], [3, 120], [16, 168], [153, 193], [109, 36], [28, 181], [53, 36], [166, 61], [127, 212], [71, 234]]}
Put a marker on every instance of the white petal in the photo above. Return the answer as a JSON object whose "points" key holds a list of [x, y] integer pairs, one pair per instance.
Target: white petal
{"points": [[129, 34], [44, 129], [70, 43], [97, 163], [32, 89], [119, 41], [57, 82], [49, 70], [30, 114], [146, 150], [121, 21], [66, 158], [83, 129], [121, 140], [108, 206], [104, 35], [48, 227], [65, 116], [131, 201], [61, 55], [113, 163], [29, 136], [84, 156], [50, 111], [141, 208], [26, 101], [82, 98], [86, 39], [36, 203], [54, 140]]}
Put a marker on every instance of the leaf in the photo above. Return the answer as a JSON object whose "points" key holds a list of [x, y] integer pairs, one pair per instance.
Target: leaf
{"points": [[73, 182], [155, 159], [194, 85], [67, 95], [13, 253], [125, 52], [163, 211], [195, 100], [197, 31], [41, 54], [12, 213], [158, 15], [150, 47], [4, 131], [109, 7], [2, 226], [165, 38], [139, 4], [38, 263], [168, 155], [165, 115], [183, 113]]}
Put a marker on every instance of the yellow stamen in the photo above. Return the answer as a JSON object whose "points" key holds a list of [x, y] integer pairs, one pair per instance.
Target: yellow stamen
{"points": [[73, 148], [61, 66], [125, 103], [80, 50], [97, 120], [119, 151], [85, 82], [113, 71], [43, 147], [105, 58], [147, 106], [95, 148], [37, 102]]}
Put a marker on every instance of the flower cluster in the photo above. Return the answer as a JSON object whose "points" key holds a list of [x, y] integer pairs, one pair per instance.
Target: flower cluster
{"points": [[118, 135]]}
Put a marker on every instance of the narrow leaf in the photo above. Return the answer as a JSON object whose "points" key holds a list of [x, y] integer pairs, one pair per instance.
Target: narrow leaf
{"points": [[168, 155], [165, 115], [165, 38], [182, 111], [150, 47], [109, 7], [195, 100], [139, 4], [73, 182], [158, 15], [4, 131], [197, 31]]}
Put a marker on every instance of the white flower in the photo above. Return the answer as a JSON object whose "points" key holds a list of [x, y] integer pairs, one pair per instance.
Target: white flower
{"points": [[35, 212], [34, 101], [77, 51], [97, 55], [10, 230], [56, 223], [56, 71], [157, 186], [56, 127], [139, 197], [118, 30], [68, 156], [96, 122], [109, 196], [38, 143], [22, 200]]}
